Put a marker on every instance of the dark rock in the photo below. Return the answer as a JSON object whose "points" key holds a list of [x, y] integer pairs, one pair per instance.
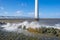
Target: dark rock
{"points": [[2, 23]]}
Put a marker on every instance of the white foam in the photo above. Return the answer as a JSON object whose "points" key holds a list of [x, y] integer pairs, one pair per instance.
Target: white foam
{"points": [[15, 26], [6, 25], [34, 25]]}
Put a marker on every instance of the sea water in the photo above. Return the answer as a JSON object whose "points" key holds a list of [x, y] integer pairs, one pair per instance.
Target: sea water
{"points": [[48, 23]]}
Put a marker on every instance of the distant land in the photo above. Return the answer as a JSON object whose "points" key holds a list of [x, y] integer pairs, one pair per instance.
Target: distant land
{"points": [[20, 17]]}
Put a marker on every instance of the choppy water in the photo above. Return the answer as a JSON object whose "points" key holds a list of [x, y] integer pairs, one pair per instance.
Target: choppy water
{"points": [[55, 23], [18, 27], [49, 21]]}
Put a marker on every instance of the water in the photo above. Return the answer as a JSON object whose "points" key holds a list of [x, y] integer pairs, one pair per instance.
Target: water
{"points": [[18, 27], [49, 21], [54, 23]]}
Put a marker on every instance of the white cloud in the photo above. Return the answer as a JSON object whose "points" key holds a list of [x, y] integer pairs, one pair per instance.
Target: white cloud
{"points": [[23, 4], [2, 8], [5, 12], [22, 13], [40, 14], [18, 12], [31, 14]]}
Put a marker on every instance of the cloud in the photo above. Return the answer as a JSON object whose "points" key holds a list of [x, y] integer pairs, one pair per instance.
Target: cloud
{"points": [[24, 14], [18, 12], [5, 12], [2, 8], [49, 15], [23, 4], [31, 14]]}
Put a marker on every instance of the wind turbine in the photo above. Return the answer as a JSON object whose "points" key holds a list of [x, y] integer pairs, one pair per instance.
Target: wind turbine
{"points": [[36, 10]]}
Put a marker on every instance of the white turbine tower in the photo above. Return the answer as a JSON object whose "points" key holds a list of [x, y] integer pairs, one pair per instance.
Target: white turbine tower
{"points": [[36, 10]]}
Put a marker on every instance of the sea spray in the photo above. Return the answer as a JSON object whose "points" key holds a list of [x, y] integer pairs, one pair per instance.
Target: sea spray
{"points": [[16, 27], [10, 27], [6, 25], [34, 25]]}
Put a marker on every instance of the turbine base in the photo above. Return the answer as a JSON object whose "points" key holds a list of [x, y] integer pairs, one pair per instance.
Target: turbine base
{"points": [[36, 19]]}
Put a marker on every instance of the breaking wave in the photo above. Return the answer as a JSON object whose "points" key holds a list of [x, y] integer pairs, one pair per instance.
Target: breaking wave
{"points": [[19, 26]]}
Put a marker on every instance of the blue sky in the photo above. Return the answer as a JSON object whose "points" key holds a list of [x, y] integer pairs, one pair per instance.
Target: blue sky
{"points": [[25, 8]]}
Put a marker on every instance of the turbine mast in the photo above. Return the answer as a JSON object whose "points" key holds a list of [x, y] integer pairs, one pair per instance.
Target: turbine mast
{"points": [[36, 10]]}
